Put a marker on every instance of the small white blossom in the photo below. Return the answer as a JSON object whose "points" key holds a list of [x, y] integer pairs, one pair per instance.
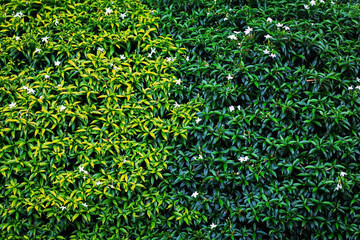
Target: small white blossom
{"points": [[46, 76], [30, 90], [236, 32], [332, 2], [122, 57], [248, 30], [19, 14], [56, 22], [101, 49], [266, 51], [24, 88], [176, 105], [17, 38], [201, 157], [232, 37], [279, 25], [343, 174], [339, 186], [12, 105], [194, 194], [358, 79], [322, 1], [45, 39], [268, 36], [81, 169], [286, 28], [225, 19], [229, 77], [153, 50], [306, 6], [350, 88], [178, 82], [357, 87], [37, 50], [98, 183], [243, 159], [239, 107], [213, 225], [187, 58], [108, 11], [84, 204], [272, 55], [198, 120], [63, 207], [57, 63], [312, 2], [269, 20], [231, 108], [123, 15]]}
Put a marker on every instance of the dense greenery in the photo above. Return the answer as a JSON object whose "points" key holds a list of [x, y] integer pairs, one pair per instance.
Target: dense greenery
{"points": [[179, 119]]}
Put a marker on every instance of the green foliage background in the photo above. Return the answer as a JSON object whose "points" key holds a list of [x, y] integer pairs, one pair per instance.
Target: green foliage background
{"points": [[123, 147]]}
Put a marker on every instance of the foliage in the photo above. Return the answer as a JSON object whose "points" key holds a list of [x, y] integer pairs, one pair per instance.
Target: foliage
{"points": [[86, 122], [276, 132]]}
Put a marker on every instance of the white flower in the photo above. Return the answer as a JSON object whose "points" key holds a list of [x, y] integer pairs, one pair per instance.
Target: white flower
{"points": [[98, 183], [312, 2], [19, 14], [201, 157], [339, 186], [17, 38], [153, 50], [213, 225], [236, 32], [198, 120], [269, 19], [168, 59], [56, 22], [108, 10], [46, 76], [176, 105], [358, 79], [350, 88], [272, 55], [332, 2], [279, 25], [178, 82], [286, 28], [243, 159], [86, 172], [225, 19], [12, 105], [84, 204], [194, 194], [187, 58], [232, 37], [239, 107], [30, 90], [306, 6], [357, 87], [45, 39], [100, 49], [322, 1], [63, 207], [229, 77], [248, 30], [266, 51], [24, 88], [123, 15], [343, 174], [122, 57], [59, 85], [37, 50], [81, 169], [231, 108], [57, 63], [149, 55], [268, 36]]}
